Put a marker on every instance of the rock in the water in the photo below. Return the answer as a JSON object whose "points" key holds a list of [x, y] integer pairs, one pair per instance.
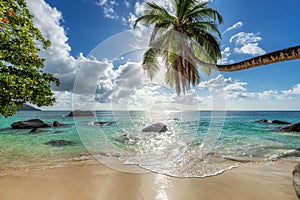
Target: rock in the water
{"points": [[128, 139], [79, 113], [291, 128], [157, 127], [272, 122], [35, 130], [280, 122], [262, 121], [57, 123], [296, 180], [30, 124], [99, 123], [59, 143]]}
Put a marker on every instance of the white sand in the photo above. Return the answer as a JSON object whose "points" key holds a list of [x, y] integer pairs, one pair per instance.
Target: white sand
{"points": [[95, 181]]}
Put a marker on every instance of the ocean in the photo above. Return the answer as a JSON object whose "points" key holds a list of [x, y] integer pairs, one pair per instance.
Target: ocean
{"points": [[197, 143]]}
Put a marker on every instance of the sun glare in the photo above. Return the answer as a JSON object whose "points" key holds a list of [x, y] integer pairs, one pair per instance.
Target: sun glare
{"points": [[160, 59]]}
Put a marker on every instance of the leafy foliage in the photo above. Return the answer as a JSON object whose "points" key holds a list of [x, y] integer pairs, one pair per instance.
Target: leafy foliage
{"points": [[180, 37], [21, 76]]}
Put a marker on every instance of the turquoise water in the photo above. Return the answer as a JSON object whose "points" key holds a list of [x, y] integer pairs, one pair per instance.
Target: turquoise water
{"points": [[187, 149]]}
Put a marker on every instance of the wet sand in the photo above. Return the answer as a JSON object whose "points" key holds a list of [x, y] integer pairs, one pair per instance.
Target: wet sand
{"points": [[91, 180]]}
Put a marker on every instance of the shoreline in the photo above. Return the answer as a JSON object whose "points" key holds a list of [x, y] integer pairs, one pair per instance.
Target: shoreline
{"points": [[93, 180]]}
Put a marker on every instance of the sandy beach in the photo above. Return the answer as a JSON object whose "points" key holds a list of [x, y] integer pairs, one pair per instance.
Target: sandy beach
{"points": [[91, 180]]}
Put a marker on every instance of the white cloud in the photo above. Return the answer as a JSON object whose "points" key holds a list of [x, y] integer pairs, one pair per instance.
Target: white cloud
{"points": [[131, 20], [127, 4], [190, 98], [243, 38], [157, 96], [58, 58], [235, 87], [250, 49], [108, 7], [102, 2], [212, 83], [235, 26], [138, 8], [237, 90], [226, 53], [128, 78], [63, 100], [247, 43], [294, 91]]}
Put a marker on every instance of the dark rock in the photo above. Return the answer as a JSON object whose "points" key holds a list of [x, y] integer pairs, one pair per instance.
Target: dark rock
{"points": [[157, 127], [59, 143], [291, 128], [99, 123], [272, 122], [296, 180], [79, 113], [262, 121], [35, 130], [128, 139], [57, 123], [280, 122], [30, 124]]}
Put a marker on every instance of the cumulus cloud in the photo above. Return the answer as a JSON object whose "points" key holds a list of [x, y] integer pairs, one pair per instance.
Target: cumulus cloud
{"points": [[139, 8], [190, 98], [247, 43], [91, 73], [216, 82], [237, 90], [128, 78], [226, 53], [58, 59], [64, 66], [250, 49], [235, 26], [294, 91], [153, 95], [235, 87]]}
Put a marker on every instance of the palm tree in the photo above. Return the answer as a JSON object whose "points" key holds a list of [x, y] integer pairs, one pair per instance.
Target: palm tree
{"points": [[197, 24], [171, 40]]}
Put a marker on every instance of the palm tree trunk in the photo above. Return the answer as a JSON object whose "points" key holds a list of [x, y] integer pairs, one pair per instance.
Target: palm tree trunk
{"points": [[291, 53]]}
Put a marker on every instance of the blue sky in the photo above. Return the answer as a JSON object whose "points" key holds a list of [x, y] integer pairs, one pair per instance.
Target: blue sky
{"points": [[250, 28]]}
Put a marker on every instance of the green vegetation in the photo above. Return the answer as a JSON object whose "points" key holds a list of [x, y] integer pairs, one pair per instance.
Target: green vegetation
{"points": [[21, 76]]}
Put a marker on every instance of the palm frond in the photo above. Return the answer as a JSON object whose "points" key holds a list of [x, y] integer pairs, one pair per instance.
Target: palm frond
{"points": [[208, 26], [150, 62]]}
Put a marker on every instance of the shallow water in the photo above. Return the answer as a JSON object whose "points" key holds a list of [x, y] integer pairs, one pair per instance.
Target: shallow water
{"points": [[197, 144]]}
